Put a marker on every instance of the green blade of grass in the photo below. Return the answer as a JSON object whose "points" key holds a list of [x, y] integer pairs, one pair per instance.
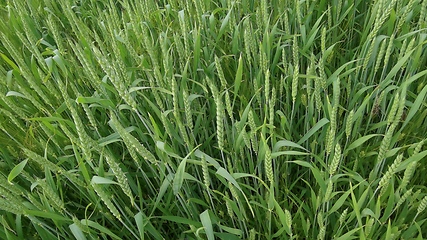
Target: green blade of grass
{"points": [[16, 170], [207, 224]]}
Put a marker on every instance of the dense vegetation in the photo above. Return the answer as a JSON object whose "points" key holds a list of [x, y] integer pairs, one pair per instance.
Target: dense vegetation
{"points": [[132, 119]]}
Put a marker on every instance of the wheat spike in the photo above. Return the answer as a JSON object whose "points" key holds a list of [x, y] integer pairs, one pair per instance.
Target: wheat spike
{"points": [[15, 202], [288, 217], [51, 195], [233, 191], [322, 73], [328, 191], [257, 95], [180, 49], [281, 85], [349, 86], [246, 139], [408, 49], [247, 41], [394, 106], [322, 233], [228, 106], [333, 119], [199, 11], [272, 102], [230, 167], [114, 76], [385, 180], [308, 83], [83, 136], [205, 170], [418, 147], [149, 47], [385, 143], [220, 73], [298, 12], [263, 60], [121, 177], [336, 160], [52, 25], [166, 125], [404, 15], [88, 67], [400, 109], [253, 127], [403, 48], [296, 70], [14, 119], [106, 199], [90, 116], [380, 54], [6, 205], [175, 99], [423, 15], [311, 71], [131, 142], [11, 104], [253, 45], [264, 12], [343, 216], [349, 124], [187, 109], [323, 41], [368, 226], [403, 198], [166, 59], [407, 175], [183, 25], [267, 86], [330, 138], [41, 160], [304, 100], [339, 6], [268, 164], [329, 12], [35, 202], [230, 211], [317, 96], [184, 133], [220, 122], [389, 50], [422, 206]]}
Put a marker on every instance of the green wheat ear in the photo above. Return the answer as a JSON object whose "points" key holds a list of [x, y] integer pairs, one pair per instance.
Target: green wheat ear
{"points": [[295, 77], [422, 206], [336, 160], [268, 163], [106, 200], [385, 179], [121, 177], [349, 124], [320, 120], [343, 216], [132, 143], [51, 195]]}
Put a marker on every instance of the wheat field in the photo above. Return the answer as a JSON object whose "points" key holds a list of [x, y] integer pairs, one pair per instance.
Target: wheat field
{"points": [[200, 119]]}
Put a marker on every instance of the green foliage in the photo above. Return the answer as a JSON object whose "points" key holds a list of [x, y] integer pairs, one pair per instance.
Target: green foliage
{"points": [[213, 119]]}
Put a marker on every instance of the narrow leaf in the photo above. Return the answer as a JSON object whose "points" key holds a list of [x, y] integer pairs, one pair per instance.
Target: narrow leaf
{"points": [[16, 170], [207, 224]]}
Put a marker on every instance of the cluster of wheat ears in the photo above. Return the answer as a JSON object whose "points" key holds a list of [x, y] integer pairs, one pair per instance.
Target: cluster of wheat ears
{"points": [[201, 119]]}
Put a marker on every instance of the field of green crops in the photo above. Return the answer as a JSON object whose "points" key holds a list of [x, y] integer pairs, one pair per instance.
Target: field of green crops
{"points": [[202, 119]]}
